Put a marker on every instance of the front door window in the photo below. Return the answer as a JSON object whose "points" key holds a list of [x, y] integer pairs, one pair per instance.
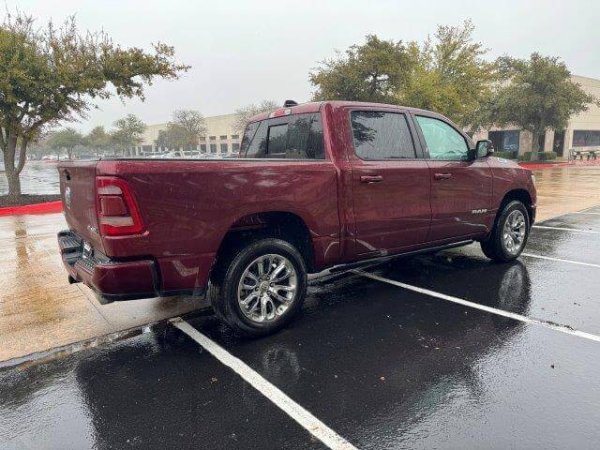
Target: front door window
{"points": [[443, 141]]}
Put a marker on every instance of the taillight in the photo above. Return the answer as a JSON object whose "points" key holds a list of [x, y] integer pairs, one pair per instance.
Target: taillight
{"points": [[118, 212]]}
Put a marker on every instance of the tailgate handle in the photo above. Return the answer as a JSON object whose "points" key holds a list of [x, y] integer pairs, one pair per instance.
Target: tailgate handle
{"points": [[371, 179], [442, 176]]}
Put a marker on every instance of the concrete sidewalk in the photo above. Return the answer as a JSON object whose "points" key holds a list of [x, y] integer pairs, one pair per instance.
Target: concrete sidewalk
{"points": [[40, 310]]}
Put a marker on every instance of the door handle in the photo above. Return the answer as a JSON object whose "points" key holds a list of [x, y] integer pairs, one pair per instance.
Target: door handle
{"points": [[442, 176], [371, 179]]}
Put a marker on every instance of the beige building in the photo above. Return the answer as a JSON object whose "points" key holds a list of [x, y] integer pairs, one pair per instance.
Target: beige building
{"points": [[583, 130], [221, 137]]}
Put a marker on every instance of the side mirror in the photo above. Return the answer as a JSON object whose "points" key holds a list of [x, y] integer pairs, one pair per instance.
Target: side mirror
{"points": [[484, 147]]}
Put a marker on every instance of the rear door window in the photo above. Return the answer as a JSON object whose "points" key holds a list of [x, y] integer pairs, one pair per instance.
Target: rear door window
{"points": [[296, 137], [379, 135]]}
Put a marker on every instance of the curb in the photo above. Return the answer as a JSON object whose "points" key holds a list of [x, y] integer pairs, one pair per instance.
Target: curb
{"points": [[45, 356], [536, 166], [35, 208]]}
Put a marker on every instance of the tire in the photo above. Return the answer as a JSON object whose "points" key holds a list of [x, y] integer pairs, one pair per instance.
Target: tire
{"points": [[501, 248], [265, 310]]}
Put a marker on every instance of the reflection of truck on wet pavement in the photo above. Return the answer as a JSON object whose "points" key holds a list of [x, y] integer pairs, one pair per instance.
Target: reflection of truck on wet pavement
{"points": [[316, 185]]}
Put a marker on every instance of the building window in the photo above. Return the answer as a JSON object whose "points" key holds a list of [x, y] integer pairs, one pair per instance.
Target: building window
{"points": [[203, 148], [213, 138], [202, 138], [223, 138], [235, 148], [224, 148], [235, 136], [505, 141], [586, 138], [213, 148]]}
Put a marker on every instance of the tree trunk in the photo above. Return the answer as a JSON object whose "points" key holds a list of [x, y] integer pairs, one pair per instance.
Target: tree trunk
{"points": [[14, 182], [12, 174], [535, 145]]}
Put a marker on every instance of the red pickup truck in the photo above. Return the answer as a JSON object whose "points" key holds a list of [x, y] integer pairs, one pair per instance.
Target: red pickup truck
{"points": [[316, 185]]}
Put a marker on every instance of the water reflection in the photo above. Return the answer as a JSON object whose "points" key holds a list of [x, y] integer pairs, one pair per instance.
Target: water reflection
{"points": [[368, 358], [37, 177]]}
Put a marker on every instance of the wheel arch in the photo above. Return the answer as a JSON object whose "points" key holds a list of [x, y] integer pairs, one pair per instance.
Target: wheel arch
{"points": [[285, 225], [521, 195]]}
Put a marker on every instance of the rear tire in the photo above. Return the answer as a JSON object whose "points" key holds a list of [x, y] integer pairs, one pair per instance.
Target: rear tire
{"points": [[509, 235], [259, 289]]}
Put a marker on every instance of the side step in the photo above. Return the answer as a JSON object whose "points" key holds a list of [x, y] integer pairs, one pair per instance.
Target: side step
{"points": [[382, 259]]}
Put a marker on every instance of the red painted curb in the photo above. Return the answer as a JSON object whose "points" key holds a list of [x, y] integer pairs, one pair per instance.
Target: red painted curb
{"points": [[536, 166], [36, 208]]}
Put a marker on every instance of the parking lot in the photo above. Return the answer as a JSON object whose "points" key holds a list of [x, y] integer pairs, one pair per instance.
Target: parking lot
{"points": [[434, 351]]}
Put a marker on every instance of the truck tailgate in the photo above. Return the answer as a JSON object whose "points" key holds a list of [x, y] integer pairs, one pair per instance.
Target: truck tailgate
{"points": [[78, 192]]}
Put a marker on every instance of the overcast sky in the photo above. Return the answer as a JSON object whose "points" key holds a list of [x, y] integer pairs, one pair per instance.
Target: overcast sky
{"points": [[242, 52]]}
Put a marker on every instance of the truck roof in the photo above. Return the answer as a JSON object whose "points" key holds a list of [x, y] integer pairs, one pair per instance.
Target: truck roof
{"points": [[312, 107]]}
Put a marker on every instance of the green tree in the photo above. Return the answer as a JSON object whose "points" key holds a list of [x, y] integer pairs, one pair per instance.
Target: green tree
{"points": [[373, 72], [49, 74], [447, 73], [243, 115], [66, 139], [97, 139], [537, 94], [450, 75], [128, 133]]}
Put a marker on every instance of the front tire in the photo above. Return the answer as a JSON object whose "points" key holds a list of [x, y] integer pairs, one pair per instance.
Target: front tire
{"points": [[260, 289], [509, 235]]}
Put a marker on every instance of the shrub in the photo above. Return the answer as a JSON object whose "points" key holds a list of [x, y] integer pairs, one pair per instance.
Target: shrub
{"points": [[547, 156], [506, 154], [525, 156], [542, 156]]}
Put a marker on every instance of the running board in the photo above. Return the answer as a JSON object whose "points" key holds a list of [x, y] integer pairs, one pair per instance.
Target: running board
{"points": [[382, 259]]}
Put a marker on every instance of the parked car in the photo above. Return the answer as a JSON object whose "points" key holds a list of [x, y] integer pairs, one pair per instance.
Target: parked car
{"points": [[317, 185]]}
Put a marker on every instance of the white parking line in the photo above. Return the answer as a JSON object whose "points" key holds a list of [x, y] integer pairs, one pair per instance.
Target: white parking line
{"points": [[574, 230], [588, 213], [313, 425], [500, 312], [588, 208], [570, 261]]}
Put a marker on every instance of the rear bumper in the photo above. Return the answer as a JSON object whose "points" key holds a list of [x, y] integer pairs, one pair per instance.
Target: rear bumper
{"points": [[113, 280]]}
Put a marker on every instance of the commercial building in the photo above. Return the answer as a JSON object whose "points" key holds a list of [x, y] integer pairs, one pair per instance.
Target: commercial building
{"points": [[221, 137], [583, 130]]}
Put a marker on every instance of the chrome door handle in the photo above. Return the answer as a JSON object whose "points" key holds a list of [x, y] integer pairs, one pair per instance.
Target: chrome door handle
{"points": [[442, 176], [371, 179]]}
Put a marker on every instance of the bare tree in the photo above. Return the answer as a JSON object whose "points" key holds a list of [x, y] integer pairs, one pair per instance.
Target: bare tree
{"points": [[247, 112], [186, 128]]}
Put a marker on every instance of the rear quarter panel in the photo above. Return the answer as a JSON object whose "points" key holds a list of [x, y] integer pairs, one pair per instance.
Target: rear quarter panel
{"points": [[188, 206]]}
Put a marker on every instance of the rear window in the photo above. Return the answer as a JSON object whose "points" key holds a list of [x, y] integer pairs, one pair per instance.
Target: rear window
{"points": [[293, 137]]}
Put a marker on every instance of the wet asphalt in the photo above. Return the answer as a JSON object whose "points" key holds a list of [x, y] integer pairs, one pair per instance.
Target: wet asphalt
{"points": [[382, 366]]}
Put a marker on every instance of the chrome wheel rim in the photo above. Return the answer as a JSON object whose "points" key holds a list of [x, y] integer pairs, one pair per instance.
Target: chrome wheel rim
{"points": [[267, 288], [513, 234]]}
